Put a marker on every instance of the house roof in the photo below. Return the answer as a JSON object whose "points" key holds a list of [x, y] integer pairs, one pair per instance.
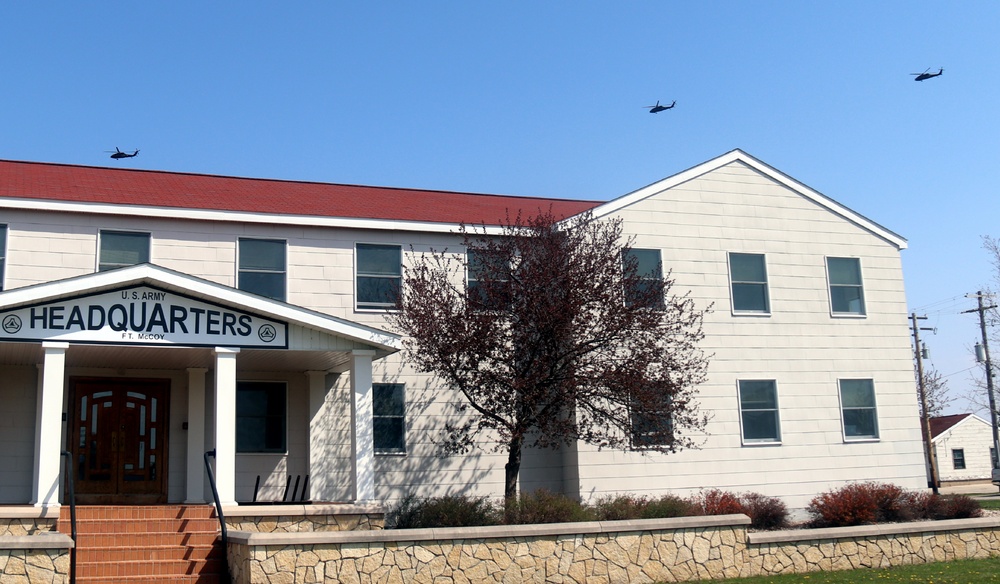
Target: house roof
{"points": [[99, 189], [942, 424]]}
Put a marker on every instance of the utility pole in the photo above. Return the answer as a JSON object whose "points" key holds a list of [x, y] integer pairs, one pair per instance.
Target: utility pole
{"points": [[989, 368], [925, 418]]}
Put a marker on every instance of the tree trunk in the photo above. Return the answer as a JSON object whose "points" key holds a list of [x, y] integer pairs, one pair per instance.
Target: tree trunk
{"points": [[512, 468]]}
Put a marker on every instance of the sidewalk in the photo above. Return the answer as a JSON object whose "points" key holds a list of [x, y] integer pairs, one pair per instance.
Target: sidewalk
{"points": [[983, 490]]}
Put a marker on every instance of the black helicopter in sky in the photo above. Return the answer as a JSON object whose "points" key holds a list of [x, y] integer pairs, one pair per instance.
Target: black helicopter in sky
{"points": [[118, 154], [655, 109], [927, 75]]}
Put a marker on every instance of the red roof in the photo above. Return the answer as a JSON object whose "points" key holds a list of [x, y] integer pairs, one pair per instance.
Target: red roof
{"points": [[87, 184], [943, 423]]}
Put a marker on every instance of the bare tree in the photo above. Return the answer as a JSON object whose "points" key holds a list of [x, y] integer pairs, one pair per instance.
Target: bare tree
{"points": [[553, 332], [935, 390]]}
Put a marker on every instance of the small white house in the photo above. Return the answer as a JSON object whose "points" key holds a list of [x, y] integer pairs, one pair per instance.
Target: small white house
{"points": [[963, 447]]}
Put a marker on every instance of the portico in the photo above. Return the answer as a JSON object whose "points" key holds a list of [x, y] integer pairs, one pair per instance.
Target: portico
{"points": [[103, 343]]}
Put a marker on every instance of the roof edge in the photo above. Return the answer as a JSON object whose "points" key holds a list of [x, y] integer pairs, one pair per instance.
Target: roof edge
{"points": [[738, 155]]}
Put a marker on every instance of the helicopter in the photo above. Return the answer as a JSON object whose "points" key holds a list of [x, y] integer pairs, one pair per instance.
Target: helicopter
{"points": [[119, 154], [655, 109], [926, 75]]}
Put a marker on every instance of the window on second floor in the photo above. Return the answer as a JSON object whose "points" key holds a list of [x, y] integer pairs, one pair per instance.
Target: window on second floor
{"points": [[119, 249], [262, 268], [847, 295], [388, 418], [488, 280], [649, 269], [748, 281], [379, 277]]}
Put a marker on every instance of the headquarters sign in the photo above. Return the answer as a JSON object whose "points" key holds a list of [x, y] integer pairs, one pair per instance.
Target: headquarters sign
{"points": [[142, 315]]}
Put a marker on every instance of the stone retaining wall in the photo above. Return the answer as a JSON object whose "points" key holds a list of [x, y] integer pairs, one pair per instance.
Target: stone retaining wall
{"points": [[626, 552], [35, 559], [303, 518]]}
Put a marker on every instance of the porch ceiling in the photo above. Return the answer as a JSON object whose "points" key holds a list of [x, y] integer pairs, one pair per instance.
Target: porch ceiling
{"points": [[160, 358]]}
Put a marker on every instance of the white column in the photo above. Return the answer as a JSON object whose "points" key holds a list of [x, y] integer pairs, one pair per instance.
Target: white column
{"points": [[195, 492], [363, 467], [225, 424], [48, 457], [318, 437]]}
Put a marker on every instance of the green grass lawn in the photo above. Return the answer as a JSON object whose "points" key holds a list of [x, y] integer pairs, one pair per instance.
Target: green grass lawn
{"points": [[957, 572], [989, 503]]}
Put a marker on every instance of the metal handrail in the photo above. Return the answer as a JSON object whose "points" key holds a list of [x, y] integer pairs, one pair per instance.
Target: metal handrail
{"points": [[218, 511], [68, 456]]}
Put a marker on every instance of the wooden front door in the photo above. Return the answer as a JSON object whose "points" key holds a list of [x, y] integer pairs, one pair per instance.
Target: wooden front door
{"points": [[118, 437]]}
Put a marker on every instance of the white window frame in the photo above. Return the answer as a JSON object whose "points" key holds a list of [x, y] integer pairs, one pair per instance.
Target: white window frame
{"points": [[287, 419], [766, 283], [843, 424], [368, 307], [830, 285], [385, 451], [239, 270], [661, 305], [100, 244], [776, 441]]}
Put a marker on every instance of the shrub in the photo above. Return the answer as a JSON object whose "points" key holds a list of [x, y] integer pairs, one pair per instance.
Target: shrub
{"points": [[716, 502], [962, 507], [665, 507], [862, 503], [446, 511], [543, 506], [764, 512], [619, 508]]}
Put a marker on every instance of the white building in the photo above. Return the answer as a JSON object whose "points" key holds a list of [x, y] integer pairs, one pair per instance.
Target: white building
{"points": [[247, 325], [963, 447]]}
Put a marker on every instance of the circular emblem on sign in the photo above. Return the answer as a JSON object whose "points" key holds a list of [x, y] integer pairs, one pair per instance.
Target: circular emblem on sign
{"points": [[267, 333], [11, 323]]}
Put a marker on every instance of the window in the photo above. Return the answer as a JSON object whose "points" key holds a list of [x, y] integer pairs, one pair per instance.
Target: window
{"points": [[857, 403], [122, 248], [262, 268], [260, 417], [993, 457], [759, 411], [958, 457], [650, 273], [488, 280], [748, 278], [388, 418], [651, 427], [846, 292], [3, 253], [379, 276]]}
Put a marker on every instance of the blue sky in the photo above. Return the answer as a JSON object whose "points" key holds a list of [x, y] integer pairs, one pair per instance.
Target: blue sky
{"points": [[545, 99]]}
